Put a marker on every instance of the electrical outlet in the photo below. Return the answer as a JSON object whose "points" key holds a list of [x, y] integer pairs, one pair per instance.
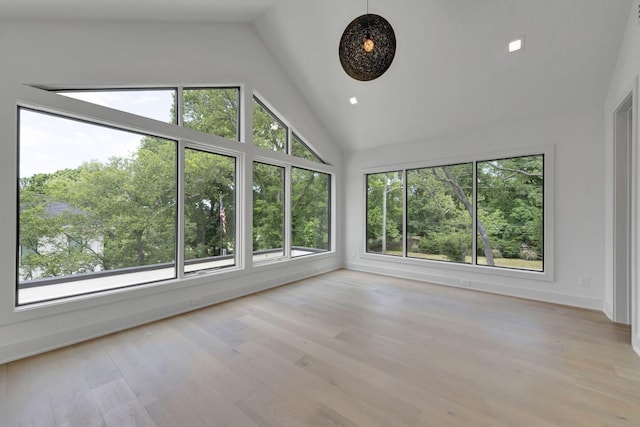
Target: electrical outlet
{"points": [[465, 282], [584, 281], [196, 301]]}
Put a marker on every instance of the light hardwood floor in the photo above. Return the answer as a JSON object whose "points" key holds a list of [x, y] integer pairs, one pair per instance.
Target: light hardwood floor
{"points": [[341, 349]]}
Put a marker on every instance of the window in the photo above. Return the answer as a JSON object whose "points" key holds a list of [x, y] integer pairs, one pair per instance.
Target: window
{"points": [[510, 212], [268, 212], [503, 203], [212, 110], [109, 201], [93, 199], [157, 104], [209, 210], [385, 213], [310, 211], [300, 149], [269, 132], [440, 213]]}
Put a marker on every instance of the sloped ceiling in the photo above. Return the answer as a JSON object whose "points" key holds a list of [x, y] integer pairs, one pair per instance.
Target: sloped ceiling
{"points": [[451, 70]]}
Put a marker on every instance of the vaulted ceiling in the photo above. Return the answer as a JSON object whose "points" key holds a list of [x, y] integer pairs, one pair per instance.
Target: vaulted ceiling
{"points": [[451, 70]]}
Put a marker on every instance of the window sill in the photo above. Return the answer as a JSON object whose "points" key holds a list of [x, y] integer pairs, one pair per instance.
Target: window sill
{"points": [[545, 276]]}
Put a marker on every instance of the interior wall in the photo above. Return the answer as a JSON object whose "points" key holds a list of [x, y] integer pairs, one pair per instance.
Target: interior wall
{"points": [[578, 218], [117, 54], [623, 82]]}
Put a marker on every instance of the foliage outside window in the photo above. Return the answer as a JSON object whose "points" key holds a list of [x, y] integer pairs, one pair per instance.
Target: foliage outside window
{"points": [[300, 149], [385, 213], [212, 110], [268, 211], [441, 205], [440, 212], [209, 210], [98, 206], [93, 199], [510, 209], [269, 132], [310, 210]]}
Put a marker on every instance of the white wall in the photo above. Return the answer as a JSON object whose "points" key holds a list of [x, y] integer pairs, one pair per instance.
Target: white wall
{"points": [[624, 81], [579, 212], [104, 54]]}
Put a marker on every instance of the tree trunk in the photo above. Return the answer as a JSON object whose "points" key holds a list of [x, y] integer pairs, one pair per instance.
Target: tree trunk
{"points": [[486, 244]]}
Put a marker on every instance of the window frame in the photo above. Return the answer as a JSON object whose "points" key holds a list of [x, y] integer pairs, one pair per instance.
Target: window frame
{"points": [[49, 102], [330, 225], [547, 274], [44, 99]]}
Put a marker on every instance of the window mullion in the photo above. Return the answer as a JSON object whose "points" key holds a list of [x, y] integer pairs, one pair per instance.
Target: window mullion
{"points": [[180, 105], [287, 211], [180, 202], [404, 209], [474, 219]]}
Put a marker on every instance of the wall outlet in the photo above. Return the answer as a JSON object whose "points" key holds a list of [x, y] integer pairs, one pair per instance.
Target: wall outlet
{"points": [[584, 281], [465, 282], [196, 301]]}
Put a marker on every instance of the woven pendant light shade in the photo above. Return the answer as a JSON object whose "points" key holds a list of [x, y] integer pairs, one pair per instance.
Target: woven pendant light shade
{"points": [[367, 47]]}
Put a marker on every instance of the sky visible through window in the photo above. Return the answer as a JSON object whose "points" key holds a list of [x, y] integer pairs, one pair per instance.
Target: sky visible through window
{"points": [[54, 143]]}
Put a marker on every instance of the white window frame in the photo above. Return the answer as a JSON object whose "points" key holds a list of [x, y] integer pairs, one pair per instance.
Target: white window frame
{"points": [[44, 100], [548, 211]]}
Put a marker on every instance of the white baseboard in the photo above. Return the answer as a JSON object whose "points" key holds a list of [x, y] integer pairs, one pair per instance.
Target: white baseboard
{"points": [[483, 286], [607, 309], [250, 284]]}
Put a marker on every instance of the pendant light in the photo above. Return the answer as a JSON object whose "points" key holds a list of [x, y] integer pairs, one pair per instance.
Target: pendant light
{"points": [[367, 47]]}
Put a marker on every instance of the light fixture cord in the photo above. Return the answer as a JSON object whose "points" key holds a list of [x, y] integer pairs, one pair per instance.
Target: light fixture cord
{"points": [[367, 7]]}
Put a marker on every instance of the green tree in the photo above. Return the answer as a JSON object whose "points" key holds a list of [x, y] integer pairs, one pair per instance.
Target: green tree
{"points": [[384, 211], [310, 216], [268, 207]]}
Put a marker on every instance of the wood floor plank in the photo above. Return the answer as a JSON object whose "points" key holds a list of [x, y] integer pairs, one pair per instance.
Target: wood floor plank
{"points": [[3, 394], [120, 406], [341, 349], [27, 401], [97, 366], [356, 367], [70, 396]]}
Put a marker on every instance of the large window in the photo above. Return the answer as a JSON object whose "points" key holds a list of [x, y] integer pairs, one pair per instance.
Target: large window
{"points": [[503, 202], [510, 203], [268, 211], [209, 210], [93, 199], [108, 200], [440, 213], [310, 210], [385, 213]]}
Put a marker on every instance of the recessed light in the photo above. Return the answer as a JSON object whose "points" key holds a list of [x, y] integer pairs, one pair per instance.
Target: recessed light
{"points": [[353, 100], [516, 44]]}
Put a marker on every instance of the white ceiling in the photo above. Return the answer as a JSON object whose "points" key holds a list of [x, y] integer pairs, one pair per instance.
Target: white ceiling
{"points": [[451, 70]]}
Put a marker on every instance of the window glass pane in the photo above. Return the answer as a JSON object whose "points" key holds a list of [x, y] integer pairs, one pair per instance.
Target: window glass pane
{"points": [[157, 104], [384, 213], [268, 211], [96, 203], [209, 210], [213, 110], [268, 131], [510, 212], [310, 211], [439, 213], [299, 149]]}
